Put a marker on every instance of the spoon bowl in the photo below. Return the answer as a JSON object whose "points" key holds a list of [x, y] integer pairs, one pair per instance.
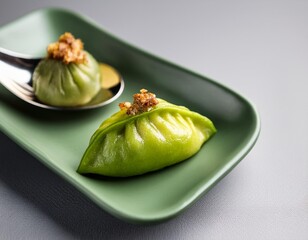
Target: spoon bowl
{"points": [[16, 72]]}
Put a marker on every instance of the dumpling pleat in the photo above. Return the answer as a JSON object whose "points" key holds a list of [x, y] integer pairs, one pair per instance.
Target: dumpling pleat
{"points": [[133, 137]]}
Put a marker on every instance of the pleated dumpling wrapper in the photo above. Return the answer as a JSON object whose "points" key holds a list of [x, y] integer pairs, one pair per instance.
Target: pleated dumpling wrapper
{"points": [[69, 76], [144, 136]]}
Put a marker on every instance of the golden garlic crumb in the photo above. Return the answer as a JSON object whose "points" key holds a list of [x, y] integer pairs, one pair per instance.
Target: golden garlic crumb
{"points": [[143, 102], [68, 49]]}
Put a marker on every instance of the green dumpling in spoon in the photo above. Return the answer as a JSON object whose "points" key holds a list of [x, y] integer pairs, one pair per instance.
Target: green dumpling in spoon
{"points": [[69, 76], [145, 136]]}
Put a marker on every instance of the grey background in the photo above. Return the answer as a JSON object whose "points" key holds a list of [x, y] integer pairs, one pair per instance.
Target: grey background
{"points": [[258, 48]]}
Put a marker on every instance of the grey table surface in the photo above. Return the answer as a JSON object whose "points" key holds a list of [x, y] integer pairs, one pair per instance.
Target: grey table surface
{"points": [[257, 48]]}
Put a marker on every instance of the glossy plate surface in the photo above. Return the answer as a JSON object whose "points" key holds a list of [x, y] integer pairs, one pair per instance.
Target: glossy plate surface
{"points": [[58, 139]]}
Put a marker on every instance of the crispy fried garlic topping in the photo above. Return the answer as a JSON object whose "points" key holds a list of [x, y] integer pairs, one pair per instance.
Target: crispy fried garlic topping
{"points": [[68, 49], [143, 102]]}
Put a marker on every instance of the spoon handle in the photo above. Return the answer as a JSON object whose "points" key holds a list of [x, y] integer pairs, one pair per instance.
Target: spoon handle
{"points": [[18, 60]]}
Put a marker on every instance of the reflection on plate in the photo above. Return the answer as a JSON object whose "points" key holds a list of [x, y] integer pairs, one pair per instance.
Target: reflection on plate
{"points": [[58, 139]]}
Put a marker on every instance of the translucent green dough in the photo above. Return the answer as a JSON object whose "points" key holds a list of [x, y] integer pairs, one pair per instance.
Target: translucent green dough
{"points": [[66, 85], [132, 145]]}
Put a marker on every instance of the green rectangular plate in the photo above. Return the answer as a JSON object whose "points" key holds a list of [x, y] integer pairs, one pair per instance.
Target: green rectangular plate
{"points": [[58, 139]]}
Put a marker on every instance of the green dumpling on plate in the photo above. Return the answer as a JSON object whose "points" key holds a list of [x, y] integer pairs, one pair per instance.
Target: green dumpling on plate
{"points": [[146, 135]]}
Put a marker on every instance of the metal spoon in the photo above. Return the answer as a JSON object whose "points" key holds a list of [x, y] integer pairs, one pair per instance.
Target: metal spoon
{"points": [[16, 75]]}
